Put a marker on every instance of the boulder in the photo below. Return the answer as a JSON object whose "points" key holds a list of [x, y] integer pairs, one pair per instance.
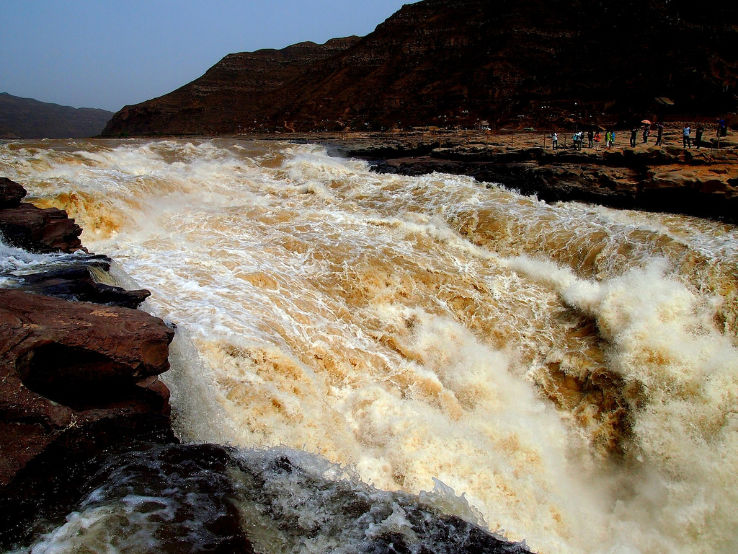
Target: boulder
{"points": [[11, 193], [70, 350], [39, 230]]}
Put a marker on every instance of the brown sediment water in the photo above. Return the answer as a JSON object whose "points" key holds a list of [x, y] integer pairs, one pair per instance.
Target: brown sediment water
{"points": [[571, 369]]}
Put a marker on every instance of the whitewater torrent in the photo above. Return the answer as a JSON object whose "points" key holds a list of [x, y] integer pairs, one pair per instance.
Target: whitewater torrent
{"points": [[571, 370]]}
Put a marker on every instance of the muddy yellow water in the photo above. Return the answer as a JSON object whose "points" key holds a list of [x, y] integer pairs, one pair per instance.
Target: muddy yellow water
{"points": [[571, 370]]}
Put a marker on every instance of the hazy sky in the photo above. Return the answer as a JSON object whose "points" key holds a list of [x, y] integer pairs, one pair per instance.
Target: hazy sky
{"points": [[109, 53]]}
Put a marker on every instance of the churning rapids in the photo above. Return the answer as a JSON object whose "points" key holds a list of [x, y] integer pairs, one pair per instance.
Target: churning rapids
{"points": [[562, 374]]}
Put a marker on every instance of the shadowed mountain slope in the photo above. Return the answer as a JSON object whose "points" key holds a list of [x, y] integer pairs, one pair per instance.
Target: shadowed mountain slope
{"points": [[28, 118], [454, 62]]}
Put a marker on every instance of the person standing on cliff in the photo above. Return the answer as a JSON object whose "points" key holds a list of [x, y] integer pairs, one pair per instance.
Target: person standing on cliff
{"points": [[722, 128], [555, 140], [646, 132], [633, 135], [698, 136], [590, 138], [660, 133], [685, 136]]}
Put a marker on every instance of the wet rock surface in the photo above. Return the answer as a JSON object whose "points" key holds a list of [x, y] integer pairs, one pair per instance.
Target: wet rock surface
{"points": [[342, 514], [195, 498], [153, 498], [75, 282]]}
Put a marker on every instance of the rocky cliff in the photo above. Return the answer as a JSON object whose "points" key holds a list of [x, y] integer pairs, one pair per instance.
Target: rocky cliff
{"points": [[448, 63], [233, 95], [28, 118]]}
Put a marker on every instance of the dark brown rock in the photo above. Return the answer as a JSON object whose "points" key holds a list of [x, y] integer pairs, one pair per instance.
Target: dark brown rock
{"points": [[76, 283], [450, 63], [11, 193], [39, 230], [75, 379], [65, 365], [70, 351]]}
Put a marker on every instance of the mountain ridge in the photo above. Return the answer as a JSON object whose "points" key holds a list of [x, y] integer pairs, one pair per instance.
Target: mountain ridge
{"points": [[28, 118], [456, 63]]}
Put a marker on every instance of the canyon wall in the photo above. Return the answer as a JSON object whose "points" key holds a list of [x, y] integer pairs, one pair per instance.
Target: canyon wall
{"points": [[458, 63]]}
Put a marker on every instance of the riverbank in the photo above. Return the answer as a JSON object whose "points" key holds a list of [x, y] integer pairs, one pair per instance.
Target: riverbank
{"points": [[669, 178]]}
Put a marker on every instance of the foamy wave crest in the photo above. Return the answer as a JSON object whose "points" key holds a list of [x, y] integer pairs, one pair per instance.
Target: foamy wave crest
{"points": [[681, 381]]}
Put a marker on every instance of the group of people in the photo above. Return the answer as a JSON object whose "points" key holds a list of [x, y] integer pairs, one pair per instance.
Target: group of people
{"points": [[594, 138], [720, 131], [646, 133]]}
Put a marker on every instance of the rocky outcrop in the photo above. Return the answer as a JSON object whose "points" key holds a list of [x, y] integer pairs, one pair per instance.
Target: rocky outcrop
{"points": [[694, 182], [27, 118], [11, 193], [231, 96], [45, 349], [73, 281], [78, 368], [453, 63], [35, 229]]}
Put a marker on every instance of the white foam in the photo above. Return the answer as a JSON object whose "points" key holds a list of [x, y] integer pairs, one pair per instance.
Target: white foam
{"points": [[395, 325]]}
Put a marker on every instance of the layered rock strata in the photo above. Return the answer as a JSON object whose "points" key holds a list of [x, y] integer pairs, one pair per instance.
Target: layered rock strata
{"points": [[457, 63]]}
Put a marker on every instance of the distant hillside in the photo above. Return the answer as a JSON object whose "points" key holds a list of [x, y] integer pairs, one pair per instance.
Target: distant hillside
{"points": [[235, 94], [456, 62], [28, 118]]}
